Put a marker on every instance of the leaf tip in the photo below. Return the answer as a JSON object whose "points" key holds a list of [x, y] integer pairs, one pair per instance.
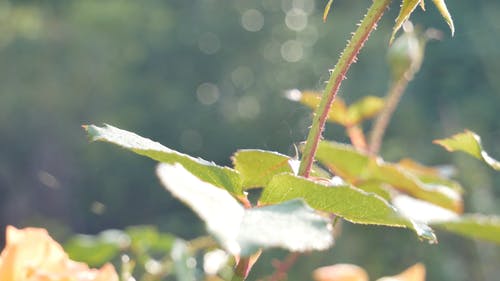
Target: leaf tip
{"points": [[92, 131], [393, 36], [327, 10]]}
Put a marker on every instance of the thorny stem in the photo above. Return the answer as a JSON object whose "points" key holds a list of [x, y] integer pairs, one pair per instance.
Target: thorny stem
{"points": [[368, 24], [393, 96]]}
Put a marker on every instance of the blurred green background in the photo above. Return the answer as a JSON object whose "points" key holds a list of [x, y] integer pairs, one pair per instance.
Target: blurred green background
{"points": [[206, 78]]}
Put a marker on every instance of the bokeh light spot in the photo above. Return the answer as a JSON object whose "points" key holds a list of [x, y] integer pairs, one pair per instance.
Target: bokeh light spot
{"points": [[248, 107], [242, 77], [292, 51], [207, 93], [308, 36], [296, 19], [209, 43], [252, 20]]}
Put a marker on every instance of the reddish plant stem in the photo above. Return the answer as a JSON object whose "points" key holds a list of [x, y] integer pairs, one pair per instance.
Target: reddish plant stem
{"points": [[368, 24], [242, 269], [282, 267], [379, 127], [357, 137]]}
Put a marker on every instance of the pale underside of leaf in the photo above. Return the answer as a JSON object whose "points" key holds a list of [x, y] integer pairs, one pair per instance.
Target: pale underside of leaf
{"points": [[222, 177], [421, 211], [470, 143], [216, 207], [292, 225]]}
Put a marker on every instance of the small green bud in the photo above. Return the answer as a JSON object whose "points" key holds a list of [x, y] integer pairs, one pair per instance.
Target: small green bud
{"points": [[406, 54]]}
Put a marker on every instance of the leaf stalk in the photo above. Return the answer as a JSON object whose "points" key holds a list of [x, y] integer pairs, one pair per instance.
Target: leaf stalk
{"points": [[379, 127]]}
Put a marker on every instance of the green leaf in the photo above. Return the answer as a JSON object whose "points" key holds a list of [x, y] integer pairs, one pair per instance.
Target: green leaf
{"points": [[222, 177], [429, 175], [231, 224], [363, 109], [291, 225], [375, 186], [327, 10], [347, 202], [146, 238], [474, 226], [217, 208], [441, 5], [355, 166], [339, 113], [95, 250], [257, 167], [311, 99], [407, 8], [470, 143]]}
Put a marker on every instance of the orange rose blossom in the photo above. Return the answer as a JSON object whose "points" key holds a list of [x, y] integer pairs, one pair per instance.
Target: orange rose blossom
{"points": [[30, 254]]}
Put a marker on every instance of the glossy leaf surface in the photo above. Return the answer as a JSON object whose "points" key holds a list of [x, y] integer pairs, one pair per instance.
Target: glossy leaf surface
{"points": [[347, 202], [257, 167], [222, 177]]}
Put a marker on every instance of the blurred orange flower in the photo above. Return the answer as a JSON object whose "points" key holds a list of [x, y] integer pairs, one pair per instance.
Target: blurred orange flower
{"points": [[351, 272], [30, 254]]}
